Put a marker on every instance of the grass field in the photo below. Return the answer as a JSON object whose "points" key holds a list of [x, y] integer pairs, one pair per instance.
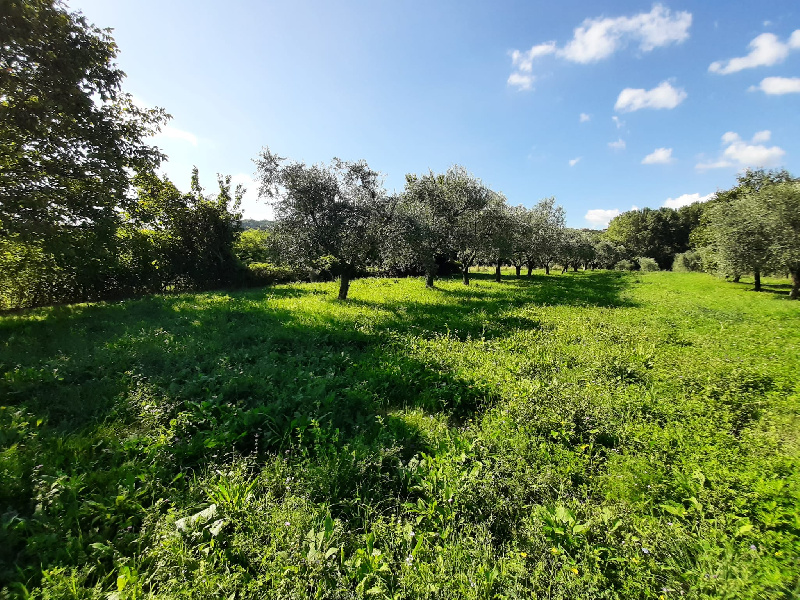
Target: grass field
{"points": [[586, 435]]}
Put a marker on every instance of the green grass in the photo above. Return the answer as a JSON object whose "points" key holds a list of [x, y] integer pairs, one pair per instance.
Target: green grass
{"points": [[586, 435]]}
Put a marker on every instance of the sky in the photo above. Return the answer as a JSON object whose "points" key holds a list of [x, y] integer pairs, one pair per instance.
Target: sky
{"points": [[607, 106]]}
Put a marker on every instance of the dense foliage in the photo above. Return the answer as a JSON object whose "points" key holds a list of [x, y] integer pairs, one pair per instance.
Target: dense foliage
{"points": [[587, 435]]}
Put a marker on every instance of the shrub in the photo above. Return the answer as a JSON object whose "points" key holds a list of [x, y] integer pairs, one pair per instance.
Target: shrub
{"points": [[690, 260], [647, 264], [625, 265], [269, 274]]}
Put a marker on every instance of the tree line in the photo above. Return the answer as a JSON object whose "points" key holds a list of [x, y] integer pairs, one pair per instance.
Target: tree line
{"points": [[85, 216]]}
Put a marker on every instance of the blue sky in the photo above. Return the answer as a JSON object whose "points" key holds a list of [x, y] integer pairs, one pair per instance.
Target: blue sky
{"points": [[605, 106]]}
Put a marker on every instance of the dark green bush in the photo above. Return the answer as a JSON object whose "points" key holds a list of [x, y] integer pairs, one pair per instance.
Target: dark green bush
{"points": [[691, 260], [268, 274]]}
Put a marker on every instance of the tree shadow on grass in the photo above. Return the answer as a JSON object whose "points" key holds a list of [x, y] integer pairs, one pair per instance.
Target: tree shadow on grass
{"points": [[119, 400], [487, 310]]}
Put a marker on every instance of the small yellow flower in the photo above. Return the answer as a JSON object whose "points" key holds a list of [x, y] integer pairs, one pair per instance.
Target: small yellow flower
{"points": [[779, 553], [574, 570], [554, 550], [635, 560], [523, 554]]}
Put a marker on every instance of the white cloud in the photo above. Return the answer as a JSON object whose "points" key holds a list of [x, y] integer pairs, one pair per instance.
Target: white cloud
{"points": [[752, 155], [730, 137], [524, 60], [618, 145], [575, 161], [765, 50], [776, 86], [596, 39], [599, 38], [521, 81], [584, 117], [617, 121], [714, 164], [173, 133], [663, 96], [762, 136], [739, 153], [660, 156], [252, 207], [601, 217], [685, 200], [634, 207]]}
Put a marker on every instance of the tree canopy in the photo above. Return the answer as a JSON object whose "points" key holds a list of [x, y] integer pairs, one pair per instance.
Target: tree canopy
{"points": [[68, 136]]}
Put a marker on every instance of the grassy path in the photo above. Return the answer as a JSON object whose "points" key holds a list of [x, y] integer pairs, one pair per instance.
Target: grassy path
{"points": [[586, 435]]}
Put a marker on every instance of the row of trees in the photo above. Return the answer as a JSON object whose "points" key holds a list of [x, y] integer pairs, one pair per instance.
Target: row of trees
{"points": [[751, 228], [341, 213], [85, 216]]}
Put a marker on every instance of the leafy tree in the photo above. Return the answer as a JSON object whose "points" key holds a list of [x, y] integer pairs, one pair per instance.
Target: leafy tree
{"points": [[702, 237], [547, 231], [68, 135], [521, 237], [472, 224], [657, 233], [499, 239], [253, 246], [192, 235], [783, 202], [338, 210], [438, 216], [742, 236], [607, 253]]}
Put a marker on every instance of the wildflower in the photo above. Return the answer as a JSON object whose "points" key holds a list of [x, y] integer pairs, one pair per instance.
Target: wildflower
{"points": [[287, 523], [409, 559], [554, 551], [645, 551], [574, 570], [523, 554], [779, 553], [752, 546]]}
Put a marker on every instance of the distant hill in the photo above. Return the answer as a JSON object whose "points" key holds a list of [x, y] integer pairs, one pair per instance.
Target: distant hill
{"points": [[257, 224]]}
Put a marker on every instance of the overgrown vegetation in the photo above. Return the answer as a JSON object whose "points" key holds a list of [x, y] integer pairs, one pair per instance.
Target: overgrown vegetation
{"points": [[591, 435]]}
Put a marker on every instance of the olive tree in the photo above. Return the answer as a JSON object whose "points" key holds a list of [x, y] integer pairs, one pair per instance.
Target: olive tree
{"points": [[473, 225], [742, 235], [499, 238], [547, 232], [783, 201], [438, 215], [338, 210]]}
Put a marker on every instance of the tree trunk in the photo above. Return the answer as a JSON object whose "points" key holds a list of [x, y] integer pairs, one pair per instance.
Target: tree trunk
{"points": [[564, 269], [757, 275], [530, 269], [575, 268], [429, 279], [497, 277], [519, 269], [547, 268], [465, 273], [344, 284], [736, 278], [794, 294]]}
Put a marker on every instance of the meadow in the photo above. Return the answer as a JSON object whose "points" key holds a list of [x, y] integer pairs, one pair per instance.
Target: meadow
{"points": [[586, 435]]}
